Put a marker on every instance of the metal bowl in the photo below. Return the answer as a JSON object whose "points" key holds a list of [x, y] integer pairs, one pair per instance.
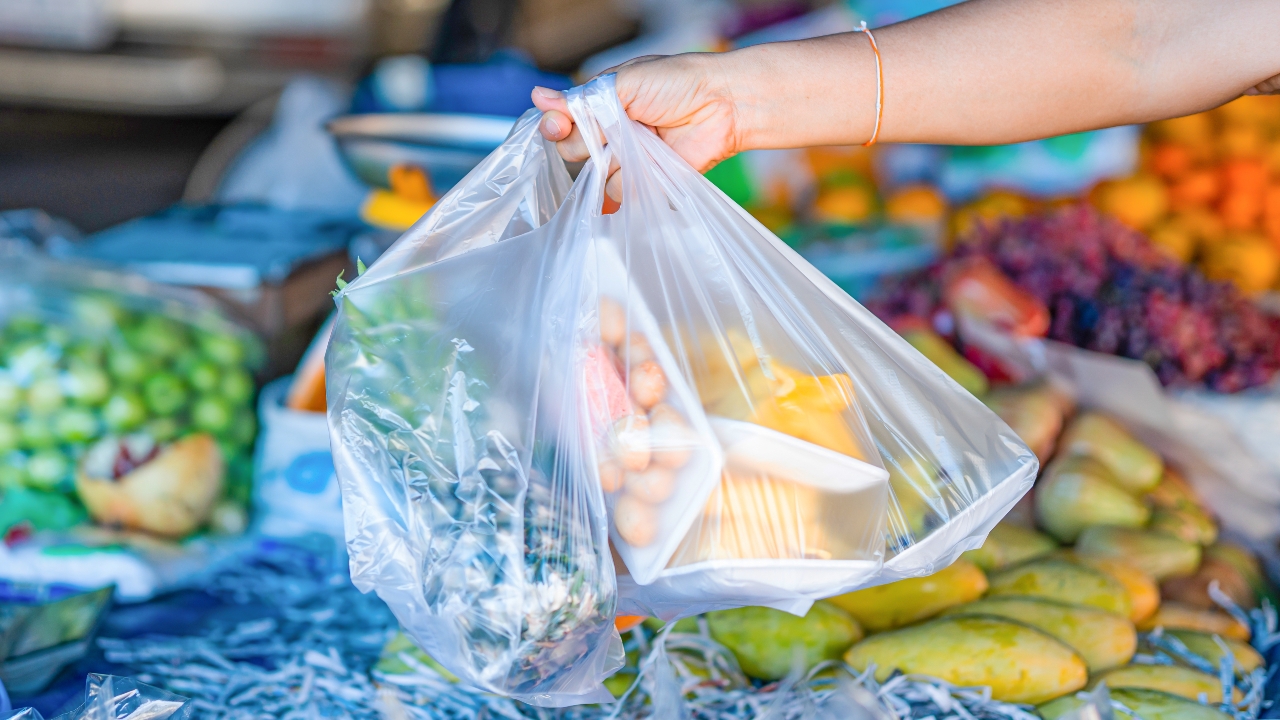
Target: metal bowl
{"points": [[446, 146]]}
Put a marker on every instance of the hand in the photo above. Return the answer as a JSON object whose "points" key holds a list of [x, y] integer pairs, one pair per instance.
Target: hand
{"points": [[1270, 86], [685, 99]]}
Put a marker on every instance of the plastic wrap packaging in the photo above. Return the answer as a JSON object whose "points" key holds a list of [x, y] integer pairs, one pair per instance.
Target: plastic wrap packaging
{"points": [[107, 697], [523, 384]]}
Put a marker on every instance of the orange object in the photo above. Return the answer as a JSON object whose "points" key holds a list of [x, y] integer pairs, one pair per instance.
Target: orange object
{"points": [[1244, 184], [1138, 201], [627, 622], [1239, 140], [875, 134], [1175, 239], [1170, 160], [307, 391], [987, 209], [1189, 130], [978, 289], [411, 183], [916, 204], [1197, 188], [1203, 223], [1249, 260], [1271, 214], [847, 204]]}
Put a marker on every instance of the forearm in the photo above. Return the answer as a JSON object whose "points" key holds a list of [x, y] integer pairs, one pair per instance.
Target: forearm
{"points": [[999, 71]]}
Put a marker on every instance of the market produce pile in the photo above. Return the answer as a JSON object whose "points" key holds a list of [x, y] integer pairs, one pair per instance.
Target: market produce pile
{"points": [[1106, 288], [1208, 192], [136, 409]]}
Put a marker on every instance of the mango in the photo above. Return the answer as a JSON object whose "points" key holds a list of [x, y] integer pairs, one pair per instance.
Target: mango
{"points": [[1173, 679], [1104, 640], [1245, 658], [1063, 582], [1144, 594], [1136, 467], [1243, 560], [1077, 492], [1018, 663], [885, 607], [940, 353], [1174, 491], [1008, 544], [765, 640], [1035, 414], [1160, 556], [1193, 590], [1187, 523], [1176, 616], [1145, 704]]}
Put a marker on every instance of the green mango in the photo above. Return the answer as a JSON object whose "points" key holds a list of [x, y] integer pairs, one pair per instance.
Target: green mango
{"points": [[1145, 704], [1173, 679], [940, 353], [1136, 467], [1019, 664], [1160, 556], [1103, 639], [764, 640], [1008, 544], [1245, 658], [895, 604], [1079, 491], [1188, 523], [1063, 582]]}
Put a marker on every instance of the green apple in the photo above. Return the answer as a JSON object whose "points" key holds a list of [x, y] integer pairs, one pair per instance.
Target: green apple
{"points": [[76, 425], [163, 429], [211, 414], [204, 376], [237, 386], [127, 364], [47, 469], [124, 411], [222, 348], [36, 433], [165, 393], [45, 396], [88, 384]]}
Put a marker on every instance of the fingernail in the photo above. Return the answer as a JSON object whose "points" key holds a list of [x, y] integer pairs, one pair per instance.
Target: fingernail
{"points": [[546, 92], [551, 126]]}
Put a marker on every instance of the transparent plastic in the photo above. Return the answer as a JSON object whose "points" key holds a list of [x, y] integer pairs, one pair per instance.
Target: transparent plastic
{"points": [[523, 384]]}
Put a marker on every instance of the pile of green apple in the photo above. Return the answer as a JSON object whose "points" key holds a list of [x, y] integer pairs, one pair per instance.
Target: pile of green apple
{"points": [[102, 366]]}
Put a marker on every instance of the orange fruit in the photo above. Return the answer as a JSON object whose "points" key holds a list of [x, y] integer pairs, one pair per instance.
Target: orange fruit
{"points": [[1240, 140], [1137, 201], [1170, 160], [1247, 259], [848, 204], [1203, 224], [1175, 239], [1197, 188], [1271, 214], [1189, 130], [994, 205], [916, 204]]}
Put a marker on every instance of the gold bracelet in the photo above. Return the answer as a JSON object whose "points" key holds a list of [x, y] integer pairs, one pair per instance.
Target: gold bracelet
{"points": [[879, 84]]}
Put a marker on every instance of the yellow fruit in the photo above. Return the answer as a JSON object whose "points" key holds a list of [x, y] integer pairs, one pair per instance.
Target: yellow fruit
{"points": [[1144, 704], [1204, 225], [765, 640], [1135, 467], [1189, 523], [1143, 592], [1138, 201], [1190, 130], [1175, 239], [1247, 259], [1018, 663], [1241, 140], [1243, 656], [846, 204], [1160, 556], [987, 209], [1172, 615], [1078, 492], [907, 601], [916, 204], [1063, 582], [1104, 640], [1173, 679], [1193, 590], [1007, 545], [1035, 414]]}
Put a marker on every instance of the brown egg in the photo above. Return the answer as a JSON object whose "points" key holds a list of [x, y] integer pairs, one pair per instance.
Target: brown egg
{"points": [[631, 443], [636, 521], [613, 322], [654, 485], [648, 384], [610, 476], [636, 350]]}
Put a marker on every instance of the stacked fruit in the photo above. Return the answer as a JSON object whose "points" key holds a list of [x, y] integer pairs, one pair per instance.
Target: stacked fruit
{"points": [[92, 392], [1209, 192], [1035, 620]]}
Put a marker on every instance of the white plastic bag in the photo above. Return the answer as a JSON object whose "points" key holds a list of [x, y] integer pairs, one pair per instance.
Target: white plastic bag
{"points": [[523, 382]]}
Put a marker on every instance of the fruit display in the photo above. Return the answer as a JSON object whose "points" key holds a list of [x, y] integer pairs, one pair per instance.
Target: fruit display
{"points": [[1208, 192], [1105, 288], [137, 409]]}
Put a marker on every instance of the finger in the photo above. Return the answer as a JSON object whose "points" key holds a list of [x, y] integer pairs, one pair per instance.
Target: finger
{"points": [[632, 61], [547, 99], [555, 126], [573, 148], [613, 186]]}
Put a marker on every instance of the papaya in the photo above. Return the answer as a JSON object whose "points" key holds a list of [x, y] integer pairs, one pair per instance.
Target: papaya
{"points": [[1144, 593], [885, 607], [1160, 556], [1187, 523], [1243, 656], [1145, 704], [765, 640], [1104, 640], [1020, 664], [1008, 544], [1243, 560], [1077, 492], [1193, 590], [1173, 679], [1174, 491], [1136, 467], [1063, 582], [1176, 616], [915, 495], [1035, 414]]}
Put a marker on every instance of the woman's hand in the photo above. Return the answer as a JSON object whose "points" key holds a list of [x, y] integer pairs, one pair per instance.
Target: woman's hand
{"points": [[686, 99]]}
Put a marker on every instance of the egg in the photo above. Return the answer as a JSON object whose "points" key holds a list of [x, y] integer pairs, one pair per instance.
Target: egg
{"points": [[654, 485], [636, 350], [630, 442], [610, 476], [636, 521], [648, 384], [613, 322]]}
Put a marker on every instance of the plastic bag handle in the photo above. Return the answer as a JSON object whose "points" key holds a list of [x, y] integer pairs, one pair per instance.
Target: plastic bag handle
{"points": [[598, 113]]}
